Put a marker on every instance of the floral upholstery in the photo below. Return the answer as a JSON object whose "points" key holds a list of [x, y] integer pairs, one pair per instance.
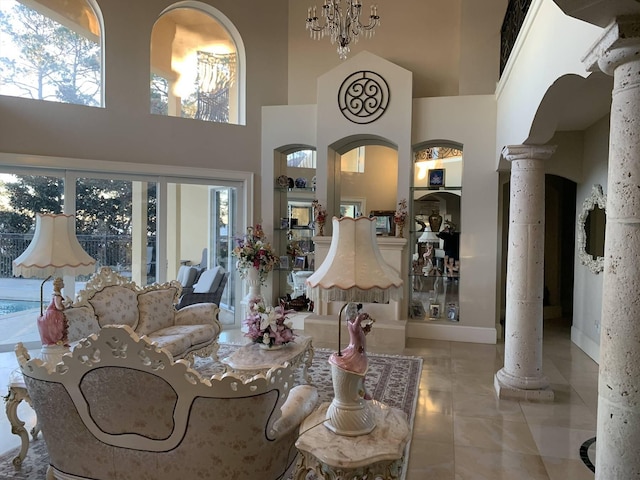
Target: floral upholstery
{"points": [[156, 310], [110, 299], [161, 420], [115, 305], [82, 322]]}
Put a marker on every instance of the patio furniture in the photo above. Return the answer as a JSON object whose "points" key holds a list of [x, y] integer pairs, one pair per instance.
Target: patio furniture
{"points": [[208, 288]]}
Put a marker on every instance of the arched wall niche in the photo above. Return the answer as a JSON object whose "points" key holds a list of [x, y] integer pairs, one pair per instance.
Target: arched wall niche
{"points": [[376, 187]]}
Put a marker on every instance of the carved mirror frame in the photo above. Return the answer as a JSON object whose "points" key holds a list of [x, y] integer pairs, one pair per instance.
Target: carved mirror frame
{"points": [[595, 199]]}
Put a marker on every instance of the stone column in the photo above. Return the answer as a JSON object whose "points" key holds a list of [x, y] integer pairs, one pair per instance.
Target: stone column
{"points": [[521, 377], [618, 53]]}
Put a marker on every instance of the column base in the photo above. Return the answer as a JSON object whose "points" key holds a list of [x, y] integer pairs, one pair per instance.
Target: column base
{"points": [[508, 392]]}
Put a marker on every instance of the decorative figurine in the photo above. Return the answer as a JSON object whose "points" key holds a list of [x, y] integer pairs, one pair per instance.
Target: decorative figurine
{"points": [[52, 324]]}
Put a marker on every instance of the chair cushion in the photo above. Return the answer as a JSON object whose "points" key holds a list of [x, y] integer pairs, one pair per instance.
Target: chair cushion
{"points": [[209, 281], [116, 305], [156, 310], [195, 335], [187, 276]]}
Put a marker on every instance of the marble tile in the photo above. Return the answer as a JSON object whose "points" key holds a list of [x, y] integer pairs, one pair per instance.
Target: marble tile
{"points": [[478, 383], [435, 381], [565, 469], [474, 463], [560, 415], [560, 442], [469, 365], [433, 427], [494, 434], [432, 401], [486, 406], [431, 460]]}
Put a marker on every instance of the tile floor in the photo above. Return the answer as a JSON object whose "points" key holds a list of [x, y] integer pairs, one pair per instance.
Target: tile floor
{"points": [[462, 431]]}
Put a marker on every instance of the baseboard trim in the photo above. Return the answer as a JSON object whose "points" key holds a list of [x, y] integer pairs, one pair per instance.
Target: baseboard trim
{"points": [[451, 332], [586, 344]]}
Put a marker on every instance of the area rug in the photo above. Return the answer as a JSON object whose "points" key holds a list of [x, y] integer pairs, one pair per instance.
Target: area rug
{"points": [[391, 379]]}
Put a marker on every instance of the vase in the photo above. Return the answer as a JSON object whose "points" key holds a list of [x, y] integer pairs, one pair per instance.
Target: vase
{"points": [[264, 346], [253, 281], [320, 229], [399, 229]]}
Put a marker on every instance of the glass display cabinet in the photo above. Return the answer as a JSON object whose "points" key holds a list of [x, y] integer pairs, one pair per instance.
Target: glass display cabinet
{"points": [[434, 235], [294, 191]]}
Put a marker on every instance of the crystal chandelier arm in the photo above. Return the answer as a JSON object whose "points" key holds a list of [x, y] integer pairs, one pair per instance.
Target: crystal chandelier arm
{"points": [[341, 26]]}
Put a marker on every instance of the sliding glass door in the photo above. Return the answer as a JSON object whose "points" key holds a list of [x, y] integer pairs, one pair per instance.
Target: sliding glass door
{"points": [[143, 227]]}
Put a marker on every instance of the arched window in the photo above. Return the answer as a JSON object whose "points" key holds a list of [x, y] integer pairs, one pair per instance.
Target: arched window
{"points": [[197, 65], [51, 52]]}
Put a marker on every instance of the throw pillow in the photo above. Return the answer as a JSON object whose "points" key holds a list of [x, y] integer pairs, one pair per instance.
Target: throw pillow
{"points": [[156, 310]]}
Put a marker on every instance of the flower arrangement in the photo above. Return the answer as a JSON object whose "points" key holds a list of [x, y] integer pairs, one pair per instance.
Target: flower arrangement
{"points": [[400, 215], [253, 251], [267, 324]]}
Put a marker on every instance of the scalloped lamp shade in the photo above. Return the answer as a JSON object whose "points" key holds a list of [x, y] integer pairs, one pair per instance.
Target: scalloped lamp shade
{"points": [[54, 250], [354, 270]]}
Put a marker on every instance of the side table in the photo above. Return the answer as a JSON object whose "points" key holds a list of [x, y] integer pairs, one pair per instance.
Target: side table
{"points": [[250, 359], [18, 393], [377, 455]]}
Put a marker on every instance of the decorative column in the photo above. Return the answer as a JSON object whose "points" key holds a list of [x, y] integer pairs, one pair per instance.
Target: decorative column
{"points": [[617, 53], [521, 377]]}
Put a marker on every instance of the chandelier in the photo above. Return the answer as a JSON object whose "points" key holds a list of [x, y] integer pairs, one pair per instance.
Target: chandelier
{"points": [[341, 27]]}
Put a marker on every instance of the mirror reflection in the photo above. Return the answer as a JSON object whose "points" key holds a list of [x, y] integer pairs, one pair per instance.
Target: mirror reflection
{"points": [[594, 228], [368, 180], [591, 230]]}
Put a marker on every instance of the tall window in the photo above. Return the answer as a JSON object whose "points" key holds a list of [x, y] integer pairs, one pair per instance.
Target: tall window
{"points": [[121, 222], [194, 66], [51, 53]]}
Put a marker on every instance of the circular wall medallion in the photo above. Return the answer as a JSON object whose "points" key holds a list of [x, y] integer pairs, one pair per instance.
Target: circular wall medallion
{"points": [[363, 97]]}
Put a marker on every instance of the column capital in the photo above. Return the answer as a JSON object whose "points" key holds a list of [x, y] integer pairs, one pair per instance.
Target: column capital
{"points": [[618, 44], [528, 152]]}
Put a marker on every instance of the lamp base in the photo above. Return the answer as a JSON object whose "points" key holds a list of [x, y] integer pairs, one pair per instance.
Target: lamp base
{"points": [[52, 354], [349, 414]]}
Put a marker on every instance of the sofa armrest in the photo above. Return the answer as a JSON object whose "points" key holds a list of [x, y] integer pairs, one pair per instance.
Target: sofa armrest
{"points": [[302, 400], [197, 314]]}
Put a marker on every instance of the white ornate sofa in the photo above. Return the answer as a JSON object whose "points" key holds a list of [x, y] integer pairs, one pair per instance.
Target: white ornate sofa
{"points": [[110, 299], [120, 408]]}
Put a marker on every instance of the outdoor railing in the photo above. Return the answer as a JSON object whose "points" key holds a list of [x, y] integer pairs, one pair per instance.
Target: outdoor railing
{"points": [[108, 250], [511, 25]]}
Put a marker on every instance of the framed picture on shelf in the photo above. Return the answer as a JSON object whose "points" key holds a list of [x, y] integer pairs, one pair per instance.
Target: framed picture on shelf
{"points": [[417, 310], [434, 310], [452, 312], [284, 262], [299, 263], [384, 222], [436, 177]]}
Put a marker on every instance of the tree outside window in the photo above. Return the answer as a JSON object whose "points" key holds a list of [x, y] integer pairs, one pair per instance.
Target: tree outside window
{"points": [[50, 59]]}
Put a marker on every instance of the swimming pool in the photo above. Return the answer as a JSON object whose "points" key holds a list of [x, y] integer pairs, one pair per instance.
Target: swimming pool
{"points": [[14, 306]]}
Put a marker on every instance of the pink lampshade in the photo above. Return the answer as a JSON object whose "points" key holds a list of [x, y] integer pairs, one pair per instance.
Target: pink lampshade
{"points": [[54, 250], [354, 270]]}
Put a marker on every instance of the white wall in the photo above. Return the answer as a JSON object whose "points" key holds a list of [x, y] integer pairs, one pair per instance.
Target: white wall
{"points": [[451, 46], [587, 291], [549, 46]]}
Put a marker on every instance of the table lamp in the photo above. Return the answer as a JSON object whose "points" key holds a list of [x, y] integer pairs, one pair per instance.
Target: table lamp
{"points": [[353, 271], [53, 251]]}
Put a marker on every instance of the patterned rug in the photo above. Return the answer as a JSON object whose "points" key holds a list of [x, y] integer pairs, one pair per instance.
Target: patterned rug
{"points": [[392, 380]]}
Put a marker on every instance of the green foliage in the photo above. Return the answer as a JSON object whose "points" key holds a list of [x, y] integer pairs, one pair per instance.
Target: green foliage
{"points": [[55, 63], [103, 206]]}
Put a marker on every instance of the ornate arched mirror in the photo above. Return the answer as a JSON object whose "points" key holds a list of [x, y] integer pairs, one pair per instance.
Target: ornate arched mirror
{"points": [[591, 229]]}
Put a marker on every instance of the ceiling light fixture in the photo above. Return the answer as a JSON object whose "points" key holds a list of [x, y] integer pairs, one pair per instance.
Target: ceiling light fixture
{"points": [[342, 27]]}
